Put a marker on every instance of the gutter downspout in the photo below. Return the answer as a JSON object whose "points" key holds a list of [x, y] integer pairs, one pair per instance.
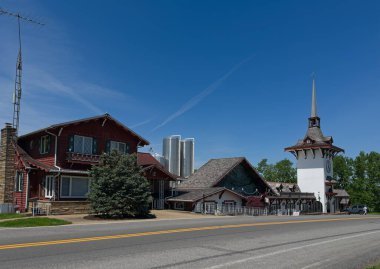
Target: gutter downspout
{"points": [[27, 189], [55, 148], [55, 159]]}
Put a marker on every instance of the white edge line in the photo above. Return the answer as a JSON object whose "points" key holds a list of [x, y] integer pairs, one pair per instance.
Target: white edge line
{"points": [[232, 263]]}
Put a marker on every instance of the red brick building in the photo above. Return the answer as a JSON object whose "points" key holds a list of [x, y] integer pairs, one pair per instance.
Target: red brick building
{"points": [[51, 165]]}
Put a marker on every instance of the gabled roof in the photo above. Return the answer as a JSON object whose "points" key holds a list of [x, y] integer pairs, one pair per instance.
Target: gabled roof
{"points": [[147, 161], [144, 158], [28, 161], [104, 117], [341, 193], [210, 174], [194, 195]]}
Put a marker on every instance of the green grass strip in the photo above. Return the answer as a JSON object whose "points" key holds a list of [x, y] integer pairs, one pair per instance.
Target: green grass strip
{"points": [[33, 222], [11, 216]]}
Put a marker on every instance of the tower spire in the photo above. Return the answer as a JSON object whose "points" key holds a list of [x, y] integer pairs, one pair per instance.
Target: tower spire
{"points": [[314, 101]]}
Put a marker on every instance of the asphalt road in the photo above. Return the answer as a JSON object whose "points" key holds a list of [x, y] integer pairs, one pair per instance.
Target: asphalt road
{"points": [[227, 242]]}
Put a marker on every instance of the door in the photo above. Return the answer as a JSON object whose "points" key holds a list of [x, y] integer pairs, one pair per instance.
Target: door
{"points": [[209, 207], [49, 186]]}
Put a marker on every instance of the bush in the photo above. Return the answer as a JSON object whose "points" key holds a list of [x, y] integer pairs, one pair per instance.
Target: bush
{"points": [[118, 187]]}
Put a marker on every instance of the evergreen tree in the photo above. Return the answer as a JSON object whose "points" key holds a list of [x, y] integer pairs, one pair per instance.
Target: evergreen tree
{"points": [[118, 187]]}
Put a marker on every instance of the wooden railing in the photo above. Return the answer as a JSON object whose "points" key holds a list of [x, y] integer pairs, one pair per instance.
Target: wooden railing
{"points": [[82, 158]]}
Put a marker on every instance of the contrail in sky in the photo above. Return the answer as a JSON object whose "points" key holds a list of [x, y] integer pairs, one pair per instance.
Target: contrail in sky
{"points": [[199, 97], [140, 123]]}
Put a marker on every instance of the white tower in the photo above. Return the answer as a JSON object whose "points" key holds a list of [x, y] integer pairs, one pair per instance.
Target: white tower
{"points": [[171, 152], [187, 157], [314, 155]]}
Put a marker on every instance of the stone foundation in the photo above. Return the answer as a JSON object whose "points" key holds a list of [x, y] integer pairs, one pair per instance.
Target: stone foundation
{"points": [[65, 207]]}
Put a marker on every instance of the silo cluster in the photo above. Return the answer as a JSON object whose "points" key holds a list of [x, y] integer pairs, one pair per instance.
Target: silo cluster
{"points": [[179, 155]]}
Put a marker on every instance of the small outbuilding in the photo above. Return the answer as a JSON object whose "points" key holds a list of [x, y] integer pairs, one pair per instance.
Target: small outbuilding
{"points": [[207, 200]]}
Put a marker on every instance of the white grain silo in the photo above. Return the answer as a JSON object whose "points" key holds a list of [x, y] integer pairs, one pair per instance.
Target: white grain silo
{"points": [[171, 152], [187, 157]]}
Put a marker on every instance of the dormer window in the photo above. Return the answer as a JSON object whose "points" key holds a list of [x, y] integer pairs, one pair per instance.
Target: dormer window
{"points": [[45, 144]]}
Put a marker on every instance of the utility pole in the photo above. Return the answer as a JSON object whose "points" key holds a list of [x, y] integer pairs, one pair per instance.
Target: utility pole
{"points": [[18, 87]]}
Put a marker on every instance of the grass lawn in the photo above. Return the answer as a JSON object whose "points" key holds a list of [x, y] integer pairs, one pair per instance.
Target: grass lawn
{"points": [[33, 222], [374, 267], [11, 216]]}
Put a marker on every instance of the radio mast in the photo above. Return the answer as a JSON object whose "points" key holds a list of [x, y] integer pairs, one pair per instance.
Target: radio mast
{"points": [[18, 86]]}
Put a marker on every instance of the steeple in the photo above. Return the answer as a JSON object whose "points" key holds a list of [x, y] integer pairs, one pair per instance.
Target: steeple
{"points": [[314, 120], [313, 102], [314, 138]]}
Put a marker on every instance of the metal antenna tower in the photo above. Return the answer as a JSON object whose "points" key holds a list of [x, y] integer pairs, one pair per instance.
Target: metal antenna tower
{"points": [[18, 88]]}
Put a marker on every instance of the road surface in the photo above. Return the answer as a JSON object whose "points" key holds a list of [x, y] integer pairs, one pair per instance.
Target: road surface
{"points": [[223, 242]]}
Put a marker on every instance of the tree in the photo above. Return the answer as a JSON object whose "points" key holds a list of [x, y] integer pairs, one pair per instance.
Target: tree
{"points": [[285, 172], [266, 170], [343, 171], [363, 187], [282, 171], [118, 187]]}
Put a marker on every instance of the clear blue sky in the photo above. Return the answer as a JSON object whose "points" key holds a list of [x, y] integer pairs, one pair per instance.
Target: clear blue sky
{"points": [[235, 75]]}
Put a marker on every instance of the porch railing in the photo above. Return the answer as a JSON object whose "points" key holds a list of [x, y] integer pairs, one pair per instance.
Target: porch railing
{"points": [[82, 158], [39, 209], [228, 210]]}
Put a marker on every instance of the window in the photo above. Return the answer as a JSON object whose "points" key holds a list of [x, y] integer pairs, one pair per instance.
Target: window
{"points": [[49, 186], [82, 144], [75, 187], [118, 146], [45, 144], [209, 207], [179, 205], [31, 144], [19, 181], [229, 206]]}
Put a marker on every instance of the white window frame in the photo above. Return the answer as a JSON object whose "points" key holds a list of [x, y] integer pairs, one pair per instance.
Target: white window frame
{"points": [[118, 146], [70, 187], [44, 144], [18, 185], [229, 206], [82, 149], [49, 186], [209, 206]]}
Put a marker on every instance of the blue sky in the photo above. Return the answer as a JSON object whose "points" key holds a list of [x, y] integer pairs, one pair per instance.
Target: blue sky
{"points": [[235, 75]]}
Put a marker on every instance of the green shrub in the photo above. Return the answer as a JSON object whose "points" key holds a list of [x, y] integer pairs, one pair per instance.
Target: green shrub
{"points": [[118, 187]]}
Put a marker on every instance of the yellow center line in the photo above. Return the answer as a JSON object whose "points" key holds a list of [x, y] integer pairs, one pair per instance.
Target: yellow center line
{"points": [[180, 230]]}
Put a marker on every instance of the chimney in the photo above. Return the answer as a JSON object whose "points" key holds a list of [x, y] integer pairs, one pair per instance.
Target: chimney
{"points": [[7, 164]]}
